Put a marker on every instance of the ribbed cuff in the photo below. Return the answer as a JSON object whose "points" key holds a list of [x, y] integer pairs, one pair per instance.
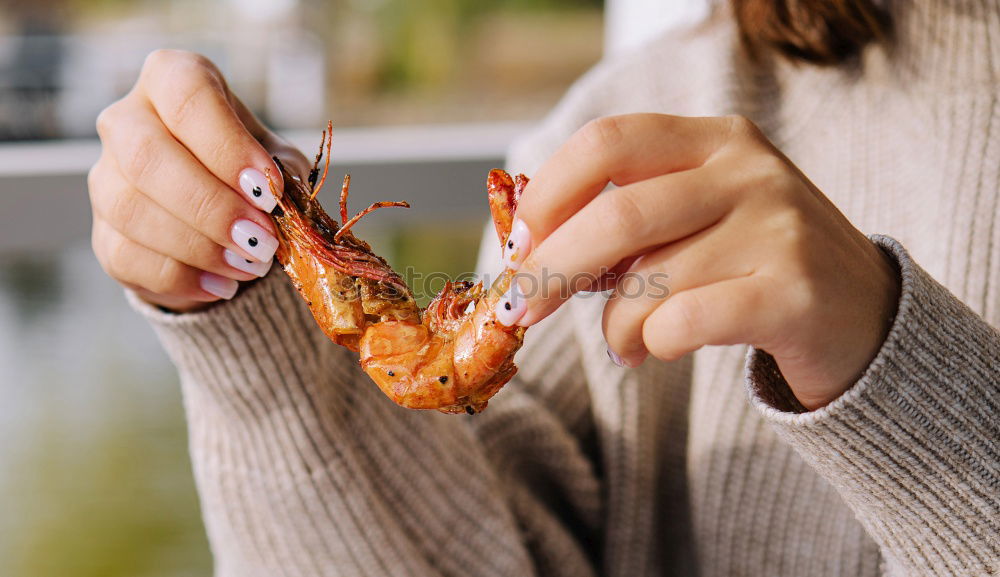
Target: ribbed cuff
{"points": [[304, 467], [912, 446]]}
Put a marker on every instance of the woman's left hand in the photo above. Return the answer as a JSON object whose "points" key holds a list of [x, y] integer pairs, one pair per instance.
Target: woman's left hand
{"points": [[753, 252]]}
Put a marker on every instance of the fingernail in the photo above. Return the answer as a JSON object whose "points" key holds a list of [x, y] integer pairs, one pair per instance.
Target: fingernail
{"points": [[251, 266], [517, 246], [254, 185], [221, 287], [511, 306], [249, 236], [615, 358]]}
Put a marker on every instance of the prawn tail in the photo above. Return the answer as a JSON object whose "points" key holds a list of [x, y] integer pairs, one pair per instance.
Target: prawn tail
{"points": [[504, 193]]}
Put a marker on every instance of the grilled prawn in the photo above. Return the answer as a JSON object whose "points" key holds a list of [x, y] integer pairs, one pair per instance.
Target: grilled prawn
{"points": [[453, 356]]}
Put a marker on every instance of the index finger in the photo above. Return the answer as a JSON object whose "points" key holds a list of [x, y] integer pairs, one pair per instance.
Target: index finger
{"points": [[192, 100], [620, 150]]}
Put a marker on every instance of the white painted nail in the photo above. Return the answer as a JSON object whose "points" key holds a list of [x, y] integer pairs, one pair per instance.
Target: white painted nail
{"points": [[254, 185], [511, 306], [219, 286], [246, 265], [615, 358], [249, 236], [517, 246]]}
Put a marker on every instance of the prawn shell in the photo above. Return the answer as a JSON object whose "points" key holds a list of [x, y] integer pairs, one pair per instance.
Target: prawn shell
{"points": [[333, 298], [343, 301], [483, 346], [503, 193], [409, 362], [450, 358], [454, 361]]}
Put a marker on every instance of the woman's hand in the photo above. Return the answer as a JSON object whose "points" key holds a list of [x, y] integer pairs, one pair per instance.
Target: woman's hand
{"points": [[753, 252], [178, 195]]}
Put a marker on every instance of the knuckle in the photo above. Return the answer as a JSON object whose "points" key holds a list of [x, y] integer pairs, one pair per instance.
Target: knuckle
{"points": [[661, 344], [190, 91], [788, 225], [741, 127], [95, 182], [190, 79], [768, 164], [221, 151], [122, 209], [623, 215], [99, 247], [168, 278], [689, 311], [775, 178], [158, 59], [116, 118], [199, 251], [208, 211], [103, 200], [768, 176], [142, 159], [168, 59], [800, 299], [202, 62], [601, 135], [117, 252], [106, 119]]}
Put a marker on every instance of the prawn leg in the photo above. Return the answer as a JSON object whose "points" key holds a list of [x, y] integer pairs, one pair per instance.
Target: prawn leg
{"points": [[454, 356]]}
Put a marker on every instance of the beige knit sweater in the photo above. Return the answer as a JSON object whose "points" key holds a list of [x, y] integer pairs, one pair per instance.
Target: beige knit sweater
{"points": [[581, 468]]}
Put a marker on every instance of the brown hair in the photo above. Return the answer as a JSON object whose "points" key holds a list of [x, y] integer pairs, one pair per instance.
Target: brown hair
{"points": [[824, 32]]}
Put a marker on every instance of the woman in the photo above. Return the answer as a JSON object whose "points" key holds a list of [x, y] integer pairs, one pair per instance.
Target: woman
{"points": [[869, 445]]}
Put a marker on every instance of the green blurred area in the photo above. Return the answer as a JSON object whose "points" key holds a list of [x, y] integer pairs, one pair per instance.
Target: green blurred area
{"points": [[96, 480], [427, 255], [456, 60], [114, 499], [424, 38]]}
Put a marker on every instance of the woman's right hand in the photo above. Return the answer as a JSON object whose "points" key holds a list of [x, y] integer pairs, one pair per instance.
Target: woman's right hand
{"points": [[179, 195]]}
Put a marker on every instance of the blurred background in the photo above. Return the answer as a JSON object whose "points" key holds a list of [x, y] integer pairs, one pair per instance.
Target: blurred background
{"points": [[425, 96]]}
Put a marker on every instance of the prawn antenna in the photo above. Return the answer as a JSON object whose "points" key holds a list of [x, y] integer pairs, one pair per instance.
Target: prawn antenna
{"points": [[314, 171], [347, 225], [328, 142], [273, 188], [343, 199]]}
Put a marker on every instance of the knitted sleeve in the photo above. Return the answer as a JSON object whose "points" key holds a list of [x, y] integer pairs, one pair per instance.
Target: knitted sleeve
{"points": [[913, 446], [304, 468]]}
